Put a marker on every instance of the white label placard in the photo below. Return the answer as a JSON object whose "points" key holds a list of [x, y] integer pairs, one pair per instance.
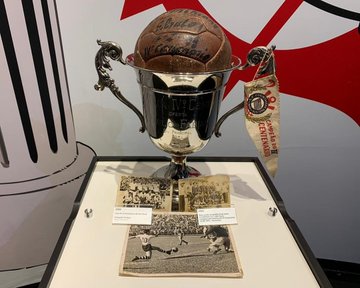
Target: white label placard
{"points": [[126, 215], [216, 216]]}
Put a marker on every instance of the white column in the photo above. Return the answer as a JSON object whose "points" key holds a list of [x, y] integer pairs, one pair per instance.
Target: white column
{"points": [[35, 112]]}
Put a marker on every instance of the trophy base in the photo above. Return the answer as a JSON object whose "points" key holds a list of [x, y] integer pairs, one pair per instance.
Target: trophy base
{"points": [[177, 169]]}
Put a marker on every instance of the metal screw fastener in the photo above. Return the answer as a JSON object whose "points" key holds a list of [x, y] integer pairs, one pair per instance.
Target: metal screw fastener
{"points": [[273, 211], [88, 212]]}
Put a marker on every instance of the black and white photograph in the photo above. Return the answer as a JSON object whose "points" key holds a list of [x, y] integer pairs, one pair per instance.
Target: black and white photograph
{"points": [[204, 192], [176, 245], [155, 193]]}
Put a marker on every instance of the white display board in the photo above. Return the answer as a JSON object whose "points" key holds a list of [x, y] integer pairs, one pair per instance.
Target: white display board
{"points": [[89, 252]]}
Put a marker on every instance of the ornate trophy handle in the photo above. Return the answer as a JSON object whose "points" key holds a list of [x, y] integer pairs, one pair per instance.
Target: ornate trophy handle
{"points": [[225, 116], [262, 56], [112, 50]]}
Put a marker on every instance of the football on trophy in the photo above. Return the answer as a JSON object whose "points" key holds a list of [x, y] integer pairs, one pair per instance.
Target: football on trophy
{"points": [[183, 40]]}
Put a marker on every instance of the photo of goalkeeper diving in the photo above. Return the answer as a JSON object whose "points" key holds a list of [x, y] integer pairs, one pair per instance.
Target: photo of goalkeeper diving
{"points": [[175, 245]]}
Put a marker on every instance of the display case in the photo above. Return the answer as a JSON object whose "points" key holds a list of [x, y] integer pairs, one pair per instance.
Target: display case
{"points": [[271, 248]]}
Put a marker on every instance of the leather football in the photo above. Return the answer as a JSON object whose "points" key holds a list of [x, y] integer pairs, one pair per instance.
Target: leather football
{"points": [[183, 40]]}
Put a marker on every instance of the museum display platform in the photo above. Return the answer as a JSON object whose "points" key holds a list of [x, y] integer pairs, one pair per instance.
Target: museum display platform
{"points": [[271, 248]]}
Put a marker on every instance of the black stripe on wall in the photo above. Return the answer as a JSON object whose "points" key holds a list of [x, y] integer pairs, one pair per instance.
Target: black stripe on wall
{"points": [[335, 10], [33, 33], [16, 81], [4, 160], [55, 67]]}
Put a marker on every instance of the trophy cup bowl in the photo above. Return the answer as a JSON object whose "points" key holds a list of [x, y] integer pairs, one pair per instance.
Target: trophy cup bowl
{"points": [[180, 110]]}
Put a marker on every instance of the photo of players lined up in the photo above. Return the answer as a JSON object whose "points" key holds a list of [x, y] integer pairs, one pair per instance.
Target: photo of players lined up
{"points": [[204, 192], [176, 245], [149, 192]]}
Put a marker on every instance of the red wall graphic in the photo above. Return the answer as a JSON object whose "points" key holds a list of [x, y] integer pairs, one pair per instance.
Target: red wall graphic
{"points": [[326, 72]]}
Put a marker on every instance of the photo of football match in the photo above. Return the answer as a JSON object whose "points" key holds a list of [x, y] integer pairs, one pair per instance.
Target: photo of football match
{"points": [[175, 245]]}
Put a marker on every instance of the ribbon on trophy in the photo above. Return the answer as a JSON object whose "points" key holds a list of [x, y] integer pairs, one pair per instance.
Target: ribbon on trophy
{"points": [[262, 109]]}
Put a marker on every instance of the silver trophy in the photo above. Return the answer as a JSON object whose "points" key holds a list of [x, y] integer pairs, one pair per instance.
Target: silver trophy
{"points": [[180, 110]]}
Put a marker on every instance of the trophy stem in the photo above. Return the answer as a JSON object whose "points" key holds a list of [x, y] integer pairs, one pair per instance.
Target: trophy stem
{"points": [[177, 169]]}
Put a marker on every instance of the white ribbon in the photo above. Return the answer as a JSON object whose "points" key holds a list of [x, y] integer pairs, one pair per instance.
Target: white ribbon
{"points": [[262, 118]]}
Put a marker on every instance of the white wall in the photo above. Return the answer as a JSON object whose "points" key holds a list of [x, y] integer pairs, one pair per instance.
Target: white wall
{"points": [[319, 161]]}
